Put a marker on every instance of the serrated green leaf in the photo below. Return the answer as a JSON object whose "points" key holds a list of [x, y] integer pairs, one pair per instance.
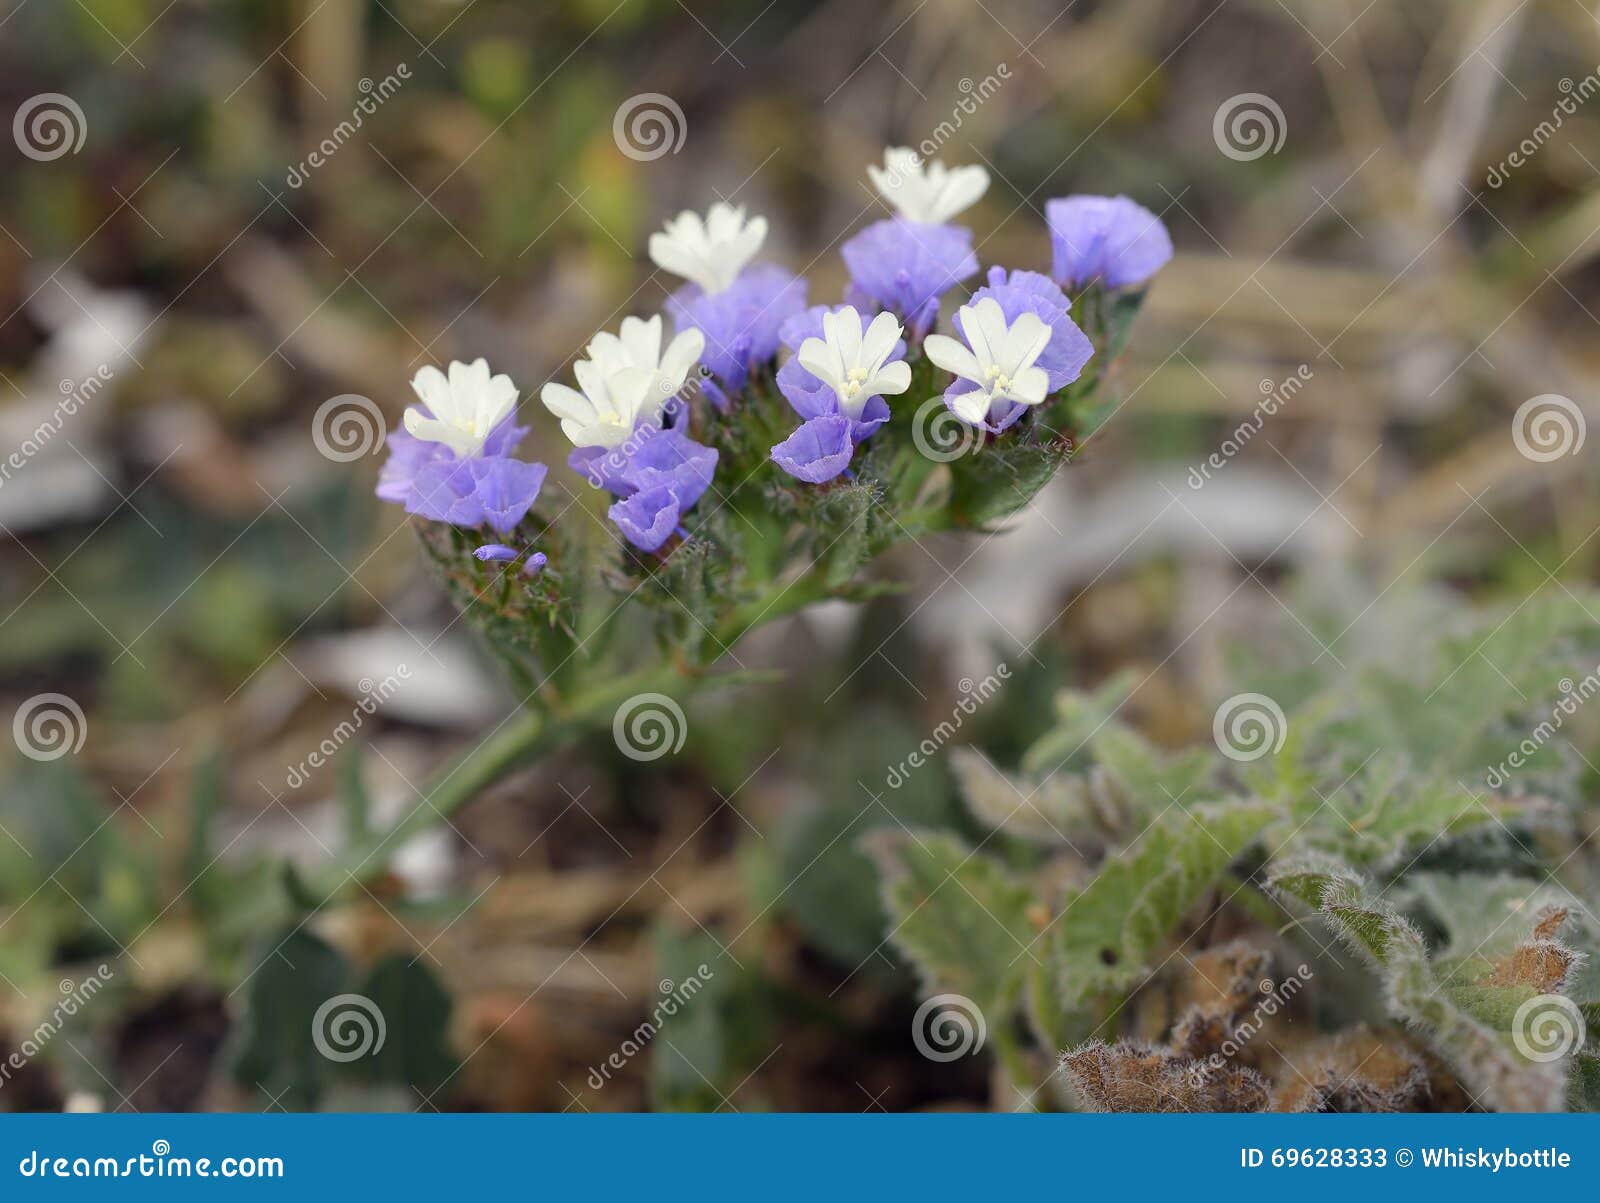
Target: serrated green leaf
{"points": [[959, 917], [1110, 935]]}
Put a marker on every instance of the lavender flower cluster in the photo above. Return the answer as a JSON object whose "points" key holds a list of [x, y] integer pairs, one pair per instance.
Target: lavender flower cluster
{"points": [[629, 416]]}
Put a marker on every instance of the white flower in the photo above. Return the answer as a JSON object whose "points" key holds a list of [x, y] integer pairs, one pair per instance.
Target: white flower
{"points": [[467, 405], [851, 362], [927, 193], [1000, 362], [625, 380], [712, 252]]}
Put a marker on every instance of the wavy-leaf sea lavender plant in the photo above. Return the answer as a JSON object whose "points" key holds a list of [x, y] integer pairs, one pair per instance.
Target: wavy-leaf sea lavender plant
{"points": [[757, 460]]}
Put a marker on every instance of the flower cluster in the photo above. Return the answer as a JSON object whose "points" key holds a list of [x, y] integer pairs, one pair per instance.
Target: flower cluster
{"points": [[1013, 346]]}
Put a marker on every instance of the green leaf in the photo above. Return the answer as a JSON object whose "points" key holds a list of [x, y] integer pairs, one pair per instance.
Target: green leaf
{"points": [[276, 1052], [957, 915], [1000, 479], [1466, 1020], [1109, 936], [416, 1015]]}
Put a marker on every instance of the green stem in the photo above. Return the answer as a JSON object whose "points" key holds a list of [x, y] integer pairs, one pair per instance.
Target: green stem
{"points": [[545, 724]]}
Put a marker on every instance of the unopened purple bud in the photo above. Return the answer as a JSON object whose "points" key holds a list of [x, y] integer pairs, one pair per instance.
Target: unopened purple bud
{"points": [[535, 564], [497, 552]]}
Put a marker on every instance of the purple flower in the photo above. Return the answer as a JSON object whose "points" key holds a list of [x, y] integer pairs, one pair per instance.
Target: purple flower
{"points": [[408, 454], [740, 323], [817, 451], [496, 490], [497, 553], [535, 564], [652, 461], [648, 518], [1022, 292], [1107, 238], [906, 267], [432, 481], [809, 396]]}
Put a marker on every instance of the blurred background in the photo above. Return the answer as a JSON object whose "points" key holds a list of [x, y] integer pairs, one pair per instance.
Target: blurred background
{"points": [[1364, 379]]}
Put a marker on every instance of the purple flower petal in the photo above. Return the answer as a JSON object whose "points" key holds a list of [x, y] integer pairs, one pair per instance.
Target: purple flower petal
{"points": [[1107, 238], [817, 451], [506, 489], [672, 460], [905, 267], [647, 519], [741, 323], [603, 467], [444, 490]]}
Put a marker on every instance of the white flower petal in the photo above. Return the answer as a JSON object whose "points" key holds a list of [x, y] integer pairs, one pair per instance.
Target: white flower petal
{"points": [[566, 402], [1024, 342], [892, 378], [952, 356], [1029, 386], [877, 344], [972, 407]]}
